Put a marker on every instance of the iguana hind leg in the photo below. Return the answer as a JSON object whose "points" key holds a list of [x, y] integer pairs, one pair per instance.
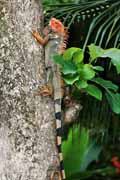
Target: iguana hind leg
{"points": [[54, 174], [46, 91]]}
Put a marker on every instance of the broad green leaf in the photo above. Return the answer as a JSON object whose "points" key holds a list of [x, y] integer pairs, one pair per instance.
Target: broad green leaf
{"points": [[94, 91], [114, 55], [69, 68], [95, 52], [58, 59], [91, 154], [78, 151], [79, 67], [84, 142], [74, 148], [78, 56], [80, 84], [98, 68], [114, 101], [68, 54], [71, 79], [86, 72], [106, 84]]}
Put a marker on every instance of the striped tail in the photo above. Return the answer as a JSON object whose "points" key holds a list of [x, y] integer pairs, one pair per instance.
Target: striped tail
{"points": [[59, 139], [58, 117]]}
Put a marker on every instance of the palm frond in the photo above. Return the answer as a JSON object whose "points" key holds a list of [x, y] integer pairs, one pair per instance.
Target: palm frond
{"points": [[87, 8], [107, 25], [104, 17]]}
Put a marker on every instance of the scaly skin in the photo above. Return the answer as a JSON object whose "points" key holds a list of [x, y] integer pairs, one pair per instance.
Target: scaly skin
{"points": [[55, 42]]}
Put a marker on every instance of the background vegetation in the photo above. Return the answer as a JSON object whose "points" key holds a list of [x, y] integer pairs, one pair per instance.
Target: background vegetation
{"points": [[94, 139]]}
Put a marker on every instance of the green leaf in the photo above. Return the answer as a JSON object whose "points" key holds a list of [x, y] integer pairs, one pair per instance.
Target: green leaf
{"points": [[78, 56], [71, 79], [94, 91], [106, 84], [95, 52], [114, 54], [112, 97], [68, 54], [91, 154], [81, 84], [74, 148], [58, 59], [86, 72], [69, 68], [114, 101], [78, 151], [98, 68]]}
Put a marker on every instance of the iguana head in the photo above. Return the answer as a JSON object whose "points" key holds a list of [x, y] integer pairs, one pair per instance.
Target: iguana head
{"points": [[56, 25]]}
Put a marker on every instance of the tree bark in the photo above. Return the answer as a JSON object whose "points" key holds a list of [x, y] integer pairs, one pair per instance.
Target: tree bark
{"points": [[27, 135]]}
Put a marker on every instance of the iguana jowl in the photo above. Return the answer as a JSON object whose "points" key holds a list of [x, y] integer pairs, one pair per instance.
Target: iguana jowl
{"points": [[55, 42]]}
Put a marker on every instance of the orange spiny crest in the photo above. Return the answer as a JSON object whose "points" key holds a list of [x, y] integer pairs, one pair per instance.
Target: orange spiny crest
{"points": [[65, 41], [63, 47], [66, 35]]}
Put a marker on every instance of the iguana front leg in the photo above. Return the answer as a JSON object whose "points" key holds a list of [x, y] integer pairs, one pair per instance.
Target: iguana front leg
{"points": [[40, 40], [46, 90]]}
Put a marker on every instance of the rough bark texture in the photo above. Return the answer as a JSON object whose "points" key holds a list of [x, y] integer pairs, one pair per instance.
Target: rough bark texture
{"points": [[27, 146]]}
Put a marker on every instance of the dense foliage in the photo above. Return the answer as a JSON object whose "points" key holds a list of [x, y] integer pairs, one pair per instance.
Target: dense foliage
{"points": [[93, 74], [85, 76], [80, 150], [102, 16]]}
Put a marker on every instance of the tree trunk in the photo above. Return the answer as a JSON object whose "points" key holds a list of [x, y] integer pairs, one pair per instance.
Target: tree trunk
{"points": [[27, 147]]}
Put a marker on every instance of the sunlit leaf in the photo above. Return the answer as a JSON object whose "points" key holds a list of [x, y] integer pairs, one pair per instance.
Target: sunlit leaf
{"points": [[114, 55], [68, 54], [78, 56], [98, 68], [94, 91], [95, 52], [71, 79], [86, 72]]}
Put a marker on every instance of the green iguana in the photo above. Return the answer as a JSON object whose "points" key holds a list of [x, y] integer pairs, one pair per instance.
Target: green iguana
{"points": [[55, 40]]}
